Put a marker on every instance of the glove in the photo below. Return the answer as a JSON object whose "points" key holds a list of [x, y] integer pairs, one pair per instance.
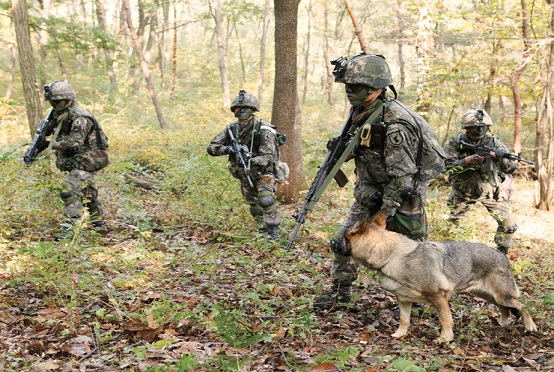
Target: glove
{"points": [[474, 159], [229, 150], [338, 246], [68, 149], [390, 206]]}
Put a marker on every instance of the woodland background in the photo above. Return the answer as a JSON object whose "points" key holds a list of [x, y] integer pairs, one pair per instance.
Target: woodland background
{"points": [[180, 282]]}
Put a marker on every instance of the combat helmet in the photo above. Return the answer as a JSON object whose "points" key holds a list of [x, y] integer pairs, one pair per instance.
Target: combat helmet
{"points": [[476, 118], [59, 90], [366, 69], [244, 99]]}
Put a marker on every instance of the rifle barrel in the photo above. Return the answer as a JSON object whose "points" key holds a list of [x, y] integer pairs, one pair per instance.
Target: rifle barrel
{"points": [[293, 236]]}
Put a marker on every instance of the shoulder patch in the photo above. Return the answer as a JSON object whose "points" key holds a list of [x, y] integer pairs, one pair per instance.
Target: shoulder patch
{"points": [[395, 138]]}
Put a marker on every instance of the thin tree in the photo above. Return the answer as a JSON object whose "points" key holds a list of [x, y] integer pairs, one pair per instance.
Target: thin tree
{"points": [[33, 106], [13, 57], [424, 51], [286, 109], [400, 31], [221, 52], [356, 25], [516, 77], [101, 18], [143, 64], [263, 43], [545, 128], [307, 54], [328, 72], [173, 79]]}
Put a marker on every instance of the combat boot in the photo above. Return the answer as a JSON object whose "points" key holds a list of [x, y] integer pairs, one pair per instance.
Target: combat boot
{"points": [[502, 248], [67, 232], [272, 233], [100, 226], [340, 293]]}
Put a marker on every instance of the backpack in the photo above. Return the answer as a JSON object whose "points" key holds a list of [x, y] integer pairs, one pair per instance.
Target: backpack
{"points": [[430, 156], [280, 168], [94, 160]]}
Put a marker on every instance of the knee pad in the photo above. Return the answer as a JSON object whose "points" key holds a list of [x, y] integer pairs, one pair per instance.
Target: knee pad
{"points": [[265, 198], [510, 229]]}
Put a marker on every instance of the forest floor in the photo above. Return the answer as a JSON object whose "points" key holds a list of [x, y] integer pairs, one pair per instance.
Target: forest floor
{"points": [[195, 298]]}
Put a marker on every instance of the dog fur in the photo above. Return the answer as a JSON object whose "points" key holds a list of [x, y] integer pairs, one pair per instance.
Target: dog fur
{"points": [[429, 272]]}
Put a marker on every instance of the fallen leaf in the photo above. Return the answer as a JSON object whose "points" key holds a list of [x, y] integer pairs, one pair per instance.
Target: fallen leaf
{"points": [[325, 367]]}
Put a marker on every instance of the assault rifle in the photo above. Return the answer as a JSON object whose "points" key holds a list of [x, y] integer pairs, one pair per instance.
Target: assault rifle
{"points": [[242, 154], [488, 166], [39, 142], [339, 148], [483, 150]]}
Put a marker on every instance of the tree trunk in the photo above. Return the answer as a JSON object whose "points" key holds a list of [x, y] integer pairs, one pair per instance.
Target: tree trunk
{"points": [[173, 79], [400, 45], [424, 50], [153, 31], [42, 41], [221, 52], [267, 20], [286, 112], [357, 29], [163, 45], [546, 121], [143, 64], [33, 107], [101, 18], [307, 55], [516, 77], [329, 78], [241, 54], [9, 90]]}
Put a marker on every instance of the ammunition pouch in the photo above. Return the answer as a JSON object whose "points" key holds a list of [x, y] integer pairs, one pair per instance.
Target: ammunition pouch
{"points": [[92, 161], [410, 218], [373, 135], [281, 171]]}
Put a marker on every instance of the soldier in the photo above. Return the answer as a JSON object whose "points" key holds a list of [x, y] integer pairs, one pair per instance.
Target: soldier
{"points": [[258, 141], [387, 159], [80, 146], [472, 183]]}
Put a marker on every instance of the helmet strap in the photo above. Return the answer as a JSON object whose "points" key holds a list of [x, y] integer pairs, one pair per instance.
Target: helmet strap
{"points": [[393, 90]]}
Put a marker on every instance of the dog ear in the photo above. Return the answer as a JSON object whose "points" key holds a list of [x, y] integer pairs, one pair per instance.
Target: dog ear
{"points": [[380, 218]]}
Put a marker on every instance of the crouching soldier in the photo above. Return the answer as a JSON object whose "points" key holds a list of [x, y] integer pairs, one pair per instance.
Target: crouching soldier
{"points": [[253, 149]]}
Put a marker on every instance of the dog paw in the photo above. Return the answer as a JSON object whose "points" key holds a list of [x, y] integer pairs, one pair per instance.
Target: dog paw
{"points": [[399, 334], [444, 339]]}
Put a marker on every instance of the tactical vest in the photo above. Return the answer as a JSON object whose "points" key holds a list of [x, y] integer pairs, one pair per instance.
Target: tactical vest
{"points": [[77, 111], [255, 136], [430, 155]]}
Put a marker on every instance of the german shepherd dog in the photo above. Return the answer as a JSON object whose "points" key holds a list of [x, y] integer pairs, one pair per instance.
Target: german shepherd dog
{"points": [[429, 272]]}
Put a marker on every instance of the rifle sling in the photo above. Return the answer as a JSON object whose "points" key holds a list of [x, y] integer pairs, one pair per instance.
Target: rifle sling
{"points": [[54, 136], [336, 168]]}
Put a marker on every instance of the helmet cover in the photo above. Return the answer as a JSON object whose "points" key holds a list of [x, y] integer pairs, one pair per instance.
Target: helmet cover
{"points": [[244, 99], [476, 118], [367, 69], [59, 90]]}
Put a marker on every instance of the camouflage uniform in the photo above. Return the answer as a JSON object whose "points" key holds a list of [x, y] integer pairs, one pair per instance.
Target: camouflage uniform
{"points": [[383, 174], [80, 148], [470, 185], [381, 177], [260, 139]]}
